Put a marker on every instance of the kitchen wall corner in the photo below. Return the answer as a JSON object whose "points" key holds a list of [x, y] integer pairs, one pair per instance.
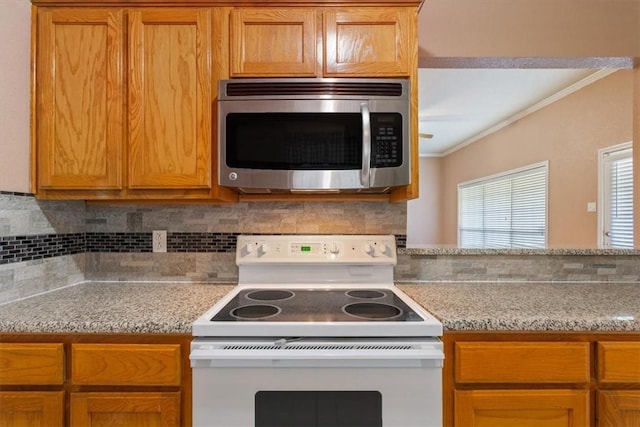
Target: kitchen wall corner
{"points": [[41, 245]]}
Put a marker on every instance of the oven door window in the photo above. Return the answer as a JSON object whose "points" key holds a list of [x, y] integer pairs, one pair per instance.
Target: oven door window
{"points": [[294, 141], [318, 409]]}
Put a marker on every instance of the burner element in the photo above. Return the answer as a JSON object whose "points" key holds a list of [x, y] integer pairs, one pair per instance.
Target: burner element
{"points": [[366, 294], [270, 295], [252, 312], [372, 310]]}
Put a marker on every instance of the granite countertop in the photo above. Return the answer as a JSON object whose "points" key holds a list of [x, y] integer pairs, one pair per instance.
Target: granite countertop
{"points": [[525, 306], [436, 250], [142, 307]]}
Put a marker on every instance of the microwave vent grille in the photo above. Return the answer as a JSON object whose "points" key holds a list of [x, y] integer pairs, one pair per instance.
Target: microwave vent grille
{"points": [[271, 88]]}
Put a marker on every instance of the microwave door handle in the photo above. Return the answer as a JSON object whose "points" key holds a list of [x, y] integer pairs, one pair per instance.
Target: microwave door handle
{"points": [[366, 145]]}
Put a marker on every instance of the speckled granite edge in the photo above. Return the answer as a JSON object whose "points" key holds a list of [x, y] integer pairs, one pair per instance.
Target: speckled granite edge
{"points": [[518, 252], [170, 307], [530, 307], [537, 325], [113, 307]]}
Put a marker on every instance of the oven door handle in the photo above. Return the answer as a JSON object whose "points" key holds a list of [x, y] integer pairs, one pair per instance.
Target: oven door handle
{"points": [[366, 145], [305, 358]]}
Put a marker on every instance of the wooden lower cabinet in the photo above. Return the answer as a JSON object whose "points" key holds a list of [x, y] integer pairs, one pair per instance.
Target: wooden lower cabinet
{"points": [[618, 371], [522, 408], [33, 366], [94, 380], [618, 408], [31, 408], [125, 409], [541, 379]]}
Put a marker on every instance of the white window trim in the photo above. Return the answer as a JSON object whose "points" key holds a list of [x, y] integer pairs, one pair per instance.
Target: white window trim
{"points": [[602, 204], [544, 164]]}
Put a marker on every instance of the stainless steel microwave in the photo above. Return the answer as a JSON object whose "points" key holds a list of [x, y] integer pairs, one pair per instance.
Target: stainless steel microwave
{"points": [[314, 135]]}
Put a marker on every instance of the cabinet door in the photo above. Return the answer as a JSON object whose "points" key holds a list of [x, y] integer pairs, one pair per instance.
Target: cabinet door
{"points": [[522, 408], [169, 98], [80, 98], [618, 362], [522, 362], [126, 364], [125, 409], [31, 364], [371, 42], [273, 42], [618, 408], [31, 408]]}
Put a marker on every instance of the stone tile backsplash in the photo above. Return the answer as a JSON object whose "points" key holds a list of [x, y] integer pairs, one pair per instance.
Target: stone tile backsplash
{"points": [[512, 268], [58, 243]]}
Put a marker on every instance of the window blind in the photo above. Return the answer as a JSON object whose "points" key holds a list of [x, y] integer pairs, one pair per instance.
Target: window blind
{"points": [[621, 202], [508, 210]]}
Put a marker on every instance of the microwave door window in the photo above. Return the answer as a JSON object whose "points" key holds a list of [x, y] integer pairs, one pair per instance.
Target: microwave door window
{"points": [[294, 141]]}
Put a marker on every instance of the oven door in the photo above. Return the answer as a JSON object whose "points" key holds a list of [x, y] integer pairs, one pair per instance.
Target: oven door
{"points": [[317, 383], [313, 144]]}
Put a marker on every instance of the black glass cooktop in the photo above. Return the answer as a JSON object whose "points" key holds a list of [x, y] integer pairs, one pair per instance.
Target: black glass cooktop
{"points": [[316, 305]]}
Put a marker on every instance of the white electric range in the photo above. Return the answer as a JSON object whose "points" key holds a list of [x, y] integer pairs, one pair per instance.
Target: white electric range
{"points": [[318, 321]]}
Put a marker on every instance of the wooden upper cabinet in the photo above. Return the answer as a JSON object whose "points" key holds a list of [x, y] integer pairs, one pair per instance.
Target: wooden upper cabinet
{"points": [[372, 42], [273, 42], [169, 98], [353, 42], [79, 98]]}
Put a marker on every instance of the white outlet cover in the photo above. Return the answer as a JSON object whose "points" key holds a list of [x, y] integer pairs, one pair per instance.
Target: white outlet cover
{"points": [[159, 241], [591, 206]]}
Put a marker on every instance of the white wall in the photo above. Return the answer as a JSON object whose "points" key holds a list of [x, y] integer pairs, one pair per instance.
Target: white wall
{"points": [[424, 214], [15, 18]]}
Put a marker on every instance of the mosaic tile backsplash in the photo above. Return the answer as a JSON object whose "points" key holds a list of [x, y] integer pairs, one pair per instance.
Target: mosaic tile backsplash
{"points": [[45, 245]]}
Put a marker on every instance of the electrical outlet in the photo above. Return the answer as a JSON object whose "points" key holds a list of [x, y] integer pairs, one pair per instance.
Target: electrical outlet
{"points": [[159, 240]]}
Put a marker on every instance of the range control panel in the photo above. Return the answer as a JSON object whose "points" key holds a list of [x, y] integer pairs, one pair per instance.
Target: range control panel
{"points": [[285, 249]]}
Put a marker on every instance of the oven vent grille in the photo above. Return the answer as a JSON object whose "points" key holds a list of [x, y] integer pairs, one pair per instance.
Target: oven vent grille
{"points": [[313, 88], [318, 347]]}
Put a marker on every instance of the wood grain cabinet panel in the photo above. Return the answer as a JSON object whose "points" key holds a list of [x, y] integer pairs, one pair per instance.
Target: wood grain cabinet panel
{"points": [[170, 98], [126, 364], [619, 362], [125, 409], [79, 97], [522, 362], [26, 364], [522, 408], [371, 42], [31, 408], [273, 42], [619, 408]]}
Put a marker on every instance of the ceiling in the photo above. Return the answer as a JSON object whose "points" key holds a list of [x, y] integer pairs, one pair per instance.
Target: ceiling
{"points": [[458, 106]]}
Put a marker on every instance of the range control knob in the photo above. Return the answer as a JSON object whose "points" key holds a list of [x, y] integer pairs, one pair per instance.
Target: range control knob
{"points": [[370, 249], [377, 250], [247, 250], [334, 248], [263, 248], [384, 249]]}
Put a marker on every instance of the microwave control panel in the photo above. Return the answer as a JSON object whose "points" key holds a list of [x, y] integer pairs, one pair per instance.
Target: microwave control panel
{"points": [[386, 140]]}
